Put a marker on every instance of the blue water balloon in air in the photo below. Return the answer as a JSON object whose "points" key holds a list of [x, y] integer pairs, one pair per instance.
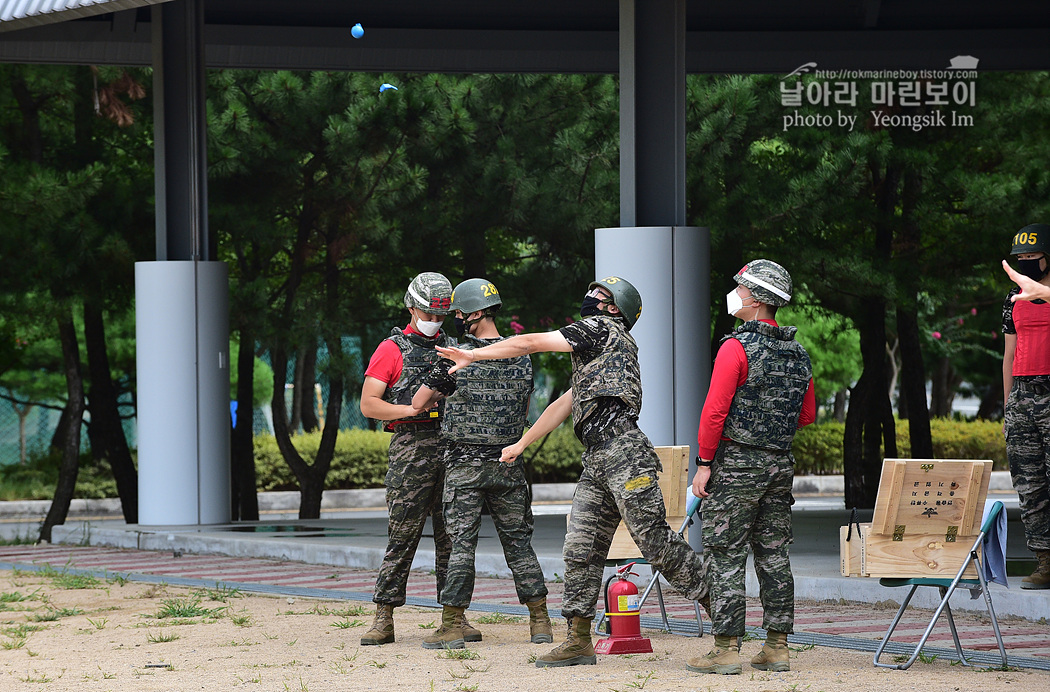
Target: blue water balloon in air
{"points": [[384, 87], [357, 31]]}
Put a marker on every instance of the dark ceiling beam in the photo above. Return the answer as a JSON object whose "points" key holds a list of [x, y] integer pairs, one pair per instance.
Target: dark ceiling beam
{"points": [[871, 13], [127, 43]]}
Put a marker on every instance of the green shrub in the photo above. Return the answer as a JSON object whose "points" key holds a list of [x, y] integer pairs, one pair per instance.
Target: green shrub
{"points": [[360, 459], [38, 477], [559, 459], [818, 448]]}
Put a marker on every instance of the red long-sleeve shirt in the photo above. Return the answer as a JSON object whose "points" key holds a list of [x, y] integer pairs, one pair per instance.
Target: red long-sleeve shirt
{"points": [[730, 372]]}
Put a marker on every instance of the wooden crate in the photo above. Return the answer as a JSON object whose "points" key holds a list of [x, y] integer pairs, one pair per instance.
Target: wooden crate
{"points": [[675, 463], [931, 496], [927, 515]]}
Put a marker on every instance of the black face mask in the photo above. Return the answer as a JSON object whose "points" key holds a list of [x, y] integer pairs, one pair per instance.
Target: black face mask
{"points": [[1030, 268], [590, 306], [461, 325]]}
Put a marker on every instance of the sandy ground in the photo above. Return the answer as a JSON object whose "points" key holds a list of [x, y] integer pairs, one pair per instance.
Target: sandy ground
{"points": [[61, 632]]}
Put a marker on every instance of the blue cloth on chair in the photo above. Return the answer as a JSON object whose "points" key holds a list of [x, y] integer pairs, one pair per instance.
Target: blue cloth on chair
{"points": [[994, 547]]}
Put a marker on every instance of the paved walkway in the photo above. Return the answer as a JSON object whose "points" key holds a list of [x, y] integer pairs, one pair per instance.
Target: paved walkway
{"points": [[856, 626]]}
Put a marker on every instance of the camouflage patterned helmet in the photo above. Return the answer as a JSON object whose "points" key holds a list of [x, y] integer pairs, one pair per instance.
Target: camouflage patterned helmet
{"points": [[475, 294], [430, 292], [1035, 237], [625, 297], [768, 281]]}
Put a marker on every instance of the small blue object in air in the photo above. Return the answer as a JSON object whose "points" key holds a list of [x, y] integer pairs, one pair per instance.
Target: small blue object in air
{"points": [[384, 87], [357, 31]]}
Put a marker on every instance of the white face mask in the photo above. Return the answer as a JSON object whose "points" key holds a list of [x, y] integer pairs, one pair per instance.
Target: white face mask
{"points": [[733, 302], [427, 328]]}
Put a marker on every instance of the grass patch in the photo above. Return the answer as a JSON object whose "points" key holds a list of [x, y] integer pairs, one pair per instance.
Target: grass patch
{"points": [[162, 637], [69, 581], [187, 608], [497, 618]]}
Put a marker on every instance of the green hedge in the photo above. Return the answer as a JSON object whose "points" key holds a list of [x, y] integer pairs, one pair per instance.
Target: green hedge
{"points": [[818, 448], [361, 459]]}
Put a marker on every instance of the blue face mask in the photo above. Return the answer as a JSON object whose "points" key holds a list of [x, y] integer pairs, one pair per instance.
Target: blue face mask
{"points": [[461, 325]]}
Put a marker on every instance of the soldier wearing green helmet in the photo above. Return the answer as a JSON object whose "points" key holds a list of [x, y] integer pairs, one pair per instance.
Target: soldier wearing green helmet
{"points": [[485, 410], [415, 476], [620, 466]]}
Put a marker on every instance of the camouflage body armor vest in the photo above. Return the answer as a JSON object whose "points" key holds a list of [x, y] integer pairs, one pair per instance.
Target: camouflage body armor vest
{"points": [[491, 401], [417, 355], [614, 372], [765, 409]]}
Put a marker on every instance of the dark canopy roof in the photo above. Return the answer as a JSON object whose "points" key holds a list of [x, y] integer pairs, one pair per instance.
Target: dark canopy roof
{"points": [[541, 35]]}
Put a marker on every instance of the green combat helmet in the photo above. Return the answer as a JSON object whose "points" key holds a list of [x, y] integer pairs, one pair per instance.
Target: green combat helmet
{"points": [[768, 281], [475, 294], [625, 297], [1035, 237], [430, 292]]}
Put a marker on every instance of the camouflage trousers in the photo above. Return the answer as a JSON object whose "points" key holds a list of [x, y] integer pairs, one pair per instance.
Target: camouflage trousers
{"points": [[749, 505], [1028, 450], [619, 479], [474, 477], [414, 481]]}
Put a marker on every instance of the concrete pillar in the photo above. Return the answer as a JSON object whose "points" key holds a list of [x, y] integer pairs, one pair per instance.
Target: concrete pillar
{"points": [[182, 328]]}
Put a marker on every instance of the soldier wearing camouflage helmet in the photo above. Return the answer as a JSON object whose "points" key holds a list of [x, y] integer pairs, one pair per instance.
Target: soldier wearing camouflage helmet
{"points": [[620, 466], [761, 392], [415, 476], [1026, 396], [485, 410]]}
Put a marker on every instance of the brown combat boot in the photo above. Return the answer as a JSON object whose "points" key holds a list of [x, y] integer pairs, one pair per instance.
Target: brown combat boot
{"points": [[577, 649], [1040, 578], [539, 622], [450, 634], [774, 653], [724, 659], [470, 634], [382, 631]]}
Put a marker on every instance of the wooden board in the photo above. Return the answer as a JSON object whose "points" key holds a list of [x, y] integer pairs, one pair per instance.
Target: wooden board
{"points": [[931, 496], [623, 546], [850, 551], [919, 555], [674, 460]]}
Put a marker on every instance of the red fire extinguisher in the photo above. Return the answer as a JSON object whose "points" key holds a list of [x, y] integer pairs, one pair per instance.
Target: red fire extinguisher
{"points": [[623, 608]]}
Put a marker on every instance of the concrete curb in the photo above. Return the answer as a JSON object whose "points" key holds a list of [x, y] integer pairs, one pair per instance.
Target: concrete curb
{"points": [[375, 498]]}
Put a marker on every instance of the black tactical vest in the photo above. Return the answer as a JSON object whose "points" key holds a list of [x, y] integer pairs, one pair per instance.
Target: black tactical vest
{"points": [[417, 355], [765, 409], [491, 400], [614, 372]]}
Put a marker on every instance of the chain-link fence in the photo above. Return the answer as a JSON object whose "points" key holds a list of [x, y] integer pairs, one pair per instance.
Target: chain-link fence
{"points": [[26, 430]]}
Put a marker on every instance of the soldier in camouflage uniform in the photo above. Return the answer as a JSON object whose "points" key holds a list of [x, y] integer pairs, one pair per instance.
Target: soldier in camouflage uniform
{"points": [[485, 410], [1026, 393], [761, 392], [620, 466], [415, 476]]}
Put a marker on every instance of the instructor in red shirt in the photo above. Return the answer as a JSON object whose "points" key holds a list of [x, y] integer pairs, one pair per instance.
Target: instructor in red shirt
{"points": [[761, 392]]}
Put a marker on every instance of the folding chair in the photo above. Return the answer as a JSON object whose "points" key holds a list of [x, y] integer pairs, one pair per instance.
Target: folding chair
{"points": [[947, 587], [694, 504]]}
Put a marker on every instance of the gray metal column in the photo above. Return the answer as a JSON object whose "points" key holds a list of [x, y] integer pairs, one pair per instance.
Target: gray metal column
{"points": [[182, 329], [654, 249], [180, 163]]}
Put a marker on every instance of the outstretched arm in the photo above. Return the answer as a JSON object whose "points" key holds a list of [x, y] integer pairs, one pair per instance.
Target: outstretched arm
{"points": [[521, 345], [553, 416]]}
